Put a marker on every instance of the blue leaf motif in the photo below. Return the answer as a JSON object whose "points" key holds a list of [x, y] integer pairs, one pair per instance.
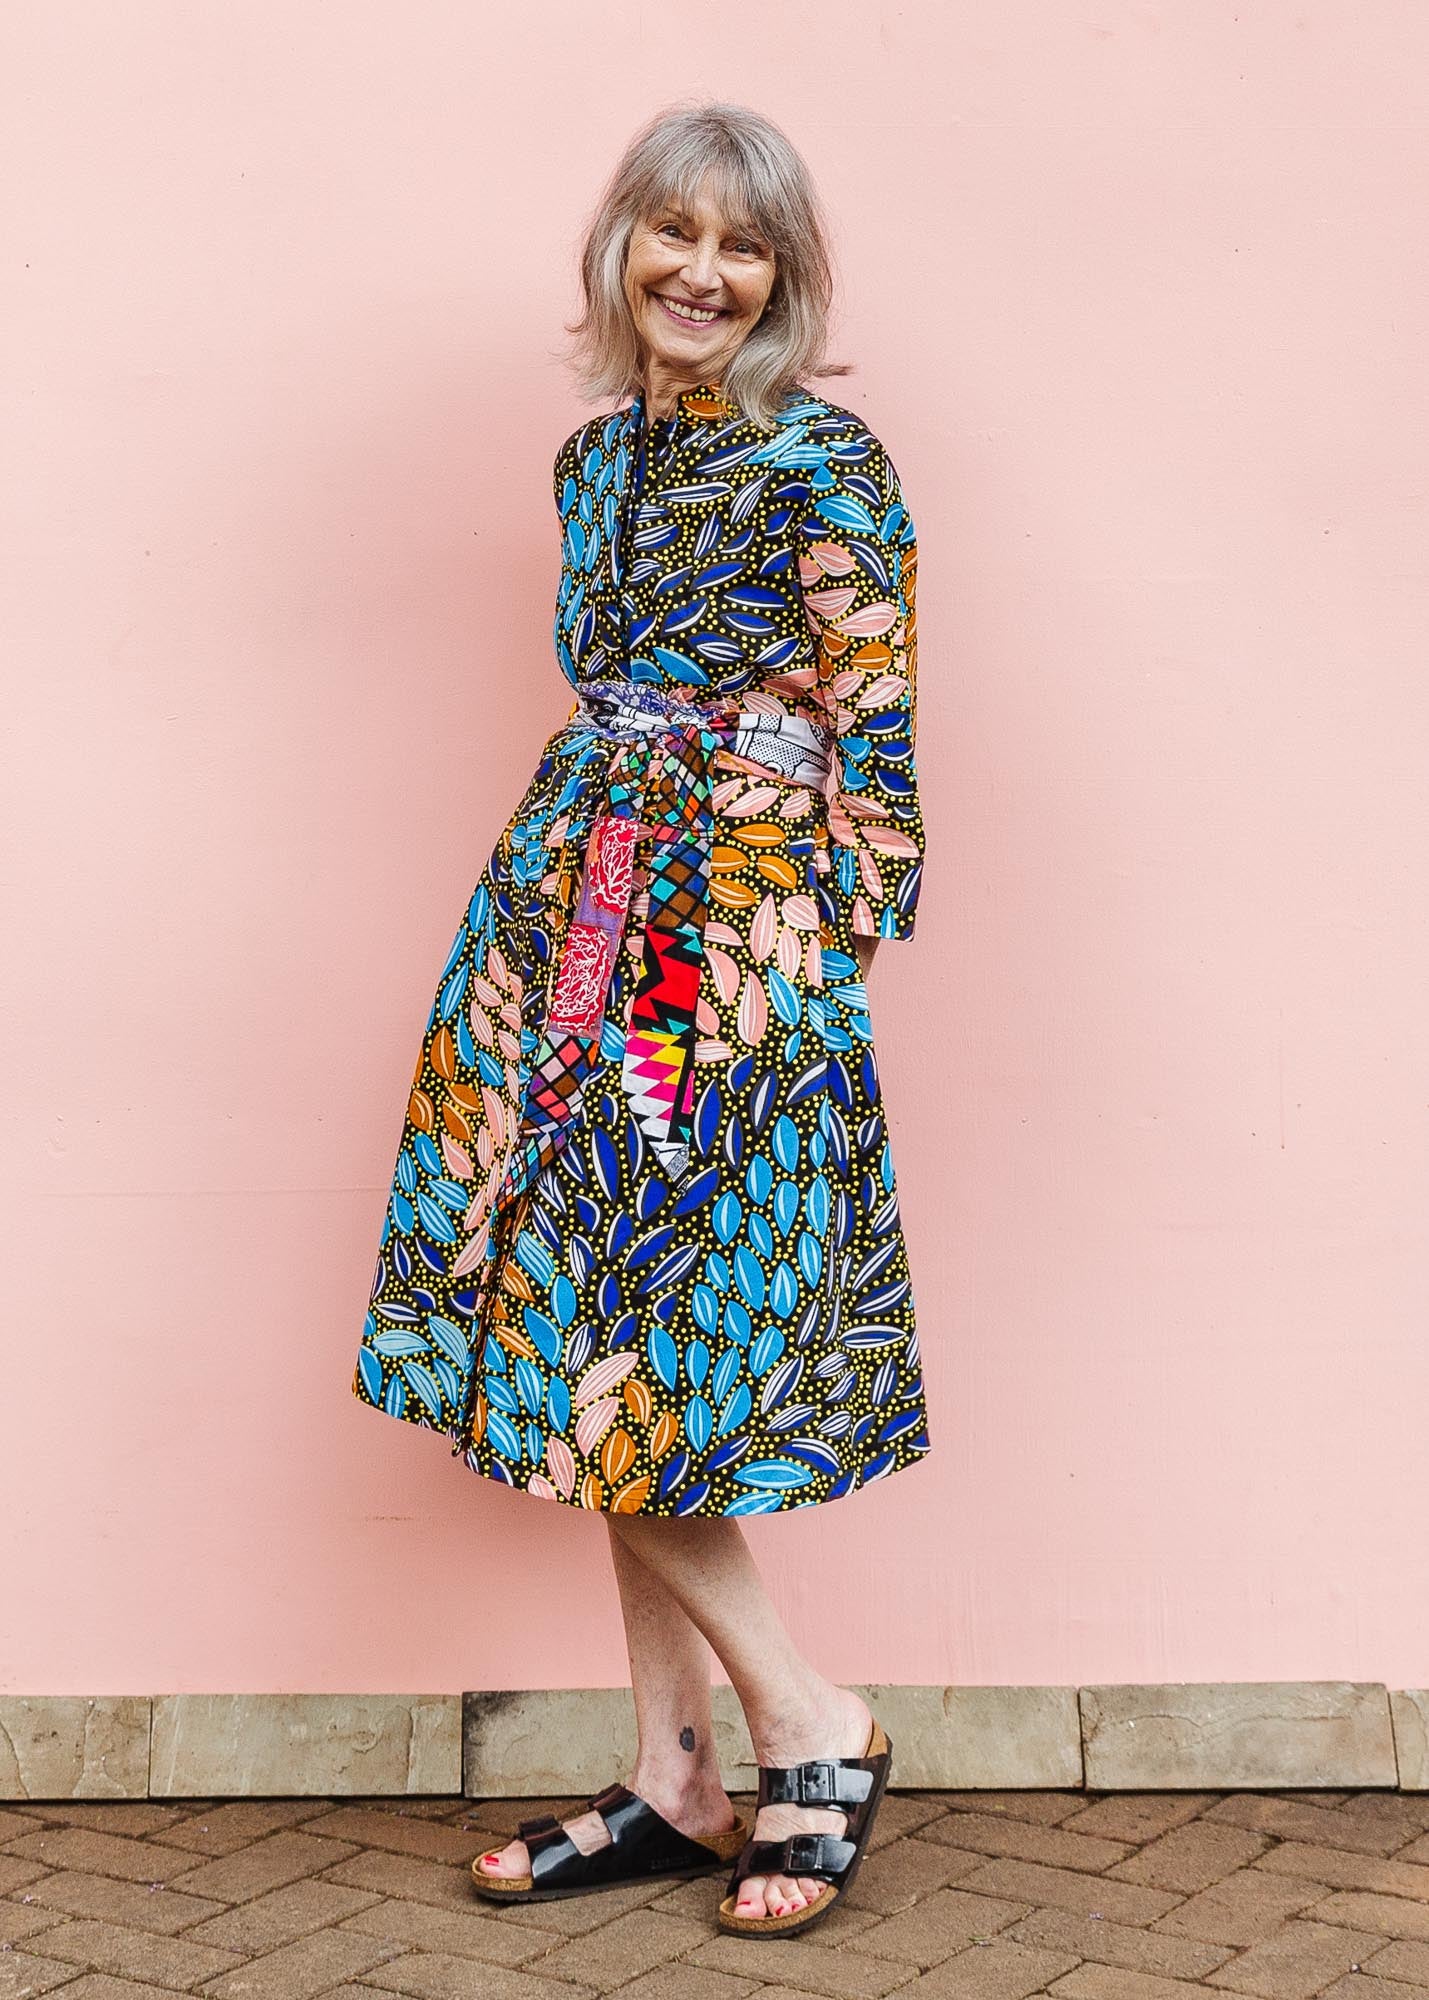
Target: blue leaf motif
{"points": [[435, 1219], [735, 1409], [749, 1278], [607, 1162], [504, 1434], [784, 1291], [766, 1350], [783, 997], [786, 1142], [530, 1384], [786, 1205], [811, 1258], [395, 1344], [425, 1383], [845, 512], [782, 1473], [728, 1453], [545, 1336], [448, 1337], [727, 1216], [673, 1474], [781, 1384], [726, 1372], [814, 1453], [664, 1358], [736, 1323]]}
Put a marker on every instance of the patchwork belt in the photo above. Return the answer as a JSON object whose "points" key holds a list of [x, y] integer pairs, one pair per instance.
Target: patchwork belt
{"points": [[655, 785], [786, 746]]}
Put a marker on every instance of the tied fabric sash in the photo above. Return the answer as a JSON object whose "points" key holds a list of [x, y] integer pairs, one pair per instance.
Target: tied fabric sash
{"points": [[646, 761], [655, 786]]}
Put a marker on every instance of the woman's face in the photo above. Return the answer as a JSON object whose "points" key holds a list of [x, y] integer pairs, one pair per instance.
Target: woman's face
{"points": [[696, 288]]}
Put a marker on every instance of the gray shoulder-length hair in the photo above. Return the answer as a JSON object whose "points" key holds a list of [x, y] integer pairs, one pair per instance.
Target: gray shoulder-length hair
{"points": [[762, 184]]}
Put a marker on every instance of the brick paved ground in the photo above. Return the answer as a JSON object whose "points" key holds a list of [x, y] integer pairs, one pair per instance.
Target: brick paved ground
{"points": [[982, 1895]]}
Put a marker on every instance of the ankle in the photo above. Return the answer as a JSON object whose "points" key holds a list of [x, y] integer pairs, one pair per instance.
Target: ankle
{"points": [[673, 1788], [816, 1724]]}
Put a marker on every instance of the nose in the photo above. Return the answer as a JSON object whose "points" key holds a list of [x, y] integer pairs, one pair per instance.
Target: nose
{"points": [[700, 272]]}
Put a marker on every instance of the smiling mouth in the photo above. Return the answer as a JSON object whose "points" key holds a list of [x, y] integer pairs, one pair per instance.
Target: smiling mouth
{"points": [[690, 315]]}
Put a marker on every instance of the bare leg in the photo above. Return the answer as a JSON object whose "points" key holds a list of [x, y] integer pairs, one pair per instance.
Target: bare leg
{"points": [[676, 1769], [793, 1712]]}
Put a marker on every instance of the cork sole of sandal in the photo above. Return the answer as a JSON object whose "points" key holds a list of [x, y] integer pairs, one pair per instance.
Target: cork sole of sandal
{"points": [[724, 1848], [800, 1920]]}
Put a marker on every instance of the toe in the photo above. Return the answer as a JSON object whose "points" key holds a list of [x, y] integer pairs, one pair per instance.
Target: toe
{"points": [[508, 1860], [750, 1901], [812, 1887], [783, 1895]]}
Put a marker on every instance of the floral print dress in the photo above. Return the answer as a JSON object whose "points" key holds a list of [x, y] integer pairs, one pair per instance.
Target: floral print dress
{"points": [[643, 1251]]}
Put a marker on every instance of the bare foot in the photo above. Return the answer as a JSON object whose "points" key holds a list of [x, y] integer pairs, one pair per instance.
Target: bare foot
{"points": [[841, 1730]]}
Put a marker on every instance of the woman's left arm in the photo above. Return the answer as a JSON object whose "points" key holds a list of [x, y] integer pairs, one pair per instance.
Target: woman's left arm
{"points": [[858, 566]]}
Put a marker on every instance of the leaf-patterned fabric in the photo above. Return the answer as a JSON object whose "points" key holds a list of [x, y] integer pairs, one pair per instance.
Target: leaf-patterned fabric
{"points": [[643, 1251]]}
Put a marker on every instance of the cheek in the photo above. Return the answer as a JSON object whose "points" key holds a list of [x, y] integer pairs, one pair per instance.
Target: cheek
{"points": [[642, 266]]}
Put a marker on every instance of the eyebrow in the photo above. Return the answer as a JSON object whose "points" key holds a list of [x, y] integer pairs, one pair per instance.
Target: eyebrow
{"points": [[672, 208]]}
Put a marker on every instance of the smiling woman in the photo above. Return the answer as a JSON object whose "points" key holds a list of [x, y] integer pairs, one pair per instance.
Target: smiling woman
{"points": [[643, 1254], [699, 278]]}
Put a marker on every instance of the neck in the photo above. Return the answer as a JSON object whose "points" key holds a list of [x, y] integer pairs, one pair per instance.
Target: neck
{"points": [[663, 387]]}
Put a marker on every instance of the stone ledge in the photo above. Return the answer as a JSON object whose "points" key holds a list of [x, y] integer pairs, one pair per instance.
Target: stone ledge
{"points": [[1201, 1735], [554, 1741], [532, 1743]]}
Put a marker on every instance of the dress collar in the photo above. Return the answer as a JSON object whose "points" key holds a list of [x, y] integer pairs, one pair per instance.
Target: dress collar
{"points": [[702, 404]]}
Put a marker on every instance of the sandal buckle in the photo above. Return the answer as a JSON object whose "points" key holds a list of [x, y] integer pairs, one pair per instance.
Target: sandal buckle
{"points": [[805, 1851], [816, 1782]]}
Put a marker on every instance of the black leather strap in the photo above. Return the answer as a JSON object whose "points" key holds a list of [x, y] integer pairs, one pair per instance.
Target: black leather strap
{"points": [[838, 1782], [825, 1854], [539, 1824], [642, 1842]]}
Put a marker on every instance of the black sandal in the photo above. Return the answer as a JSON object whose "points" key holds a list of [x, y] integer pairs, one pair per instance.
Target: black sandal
{"points": [[853, 1785], [642, 1845]]}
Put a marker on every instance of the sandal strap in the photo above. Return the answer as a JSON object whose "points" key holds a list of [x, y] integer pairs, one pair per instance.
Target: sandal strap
{"points": [[642, 1841], [540, 1824], [826, 1854], [822, 1781]]}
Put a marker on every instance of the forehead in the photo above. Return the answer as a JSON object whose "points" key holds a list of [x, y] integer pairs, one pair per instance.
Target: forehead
{"points": [[710, 201]]}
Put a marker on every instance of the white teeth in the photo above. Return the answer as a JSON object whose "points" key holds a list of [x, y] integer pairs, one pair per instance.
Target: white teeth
{"points": [[697, 313]]}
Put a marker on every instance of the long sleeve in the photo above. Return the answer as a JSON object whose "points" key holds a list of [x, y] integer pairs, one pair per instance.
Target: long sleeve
{"points": [[858, 568]]}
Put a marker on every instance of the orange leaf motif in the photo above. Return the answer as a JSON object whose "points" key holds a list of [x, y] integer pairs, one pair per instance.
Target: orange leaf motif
{"points": [[617, 1455]]}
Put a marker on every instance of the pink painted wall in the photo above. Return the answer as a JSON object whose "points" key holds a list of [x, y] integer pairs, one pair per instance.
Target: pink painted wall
{"points": [[1139, 304]]}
